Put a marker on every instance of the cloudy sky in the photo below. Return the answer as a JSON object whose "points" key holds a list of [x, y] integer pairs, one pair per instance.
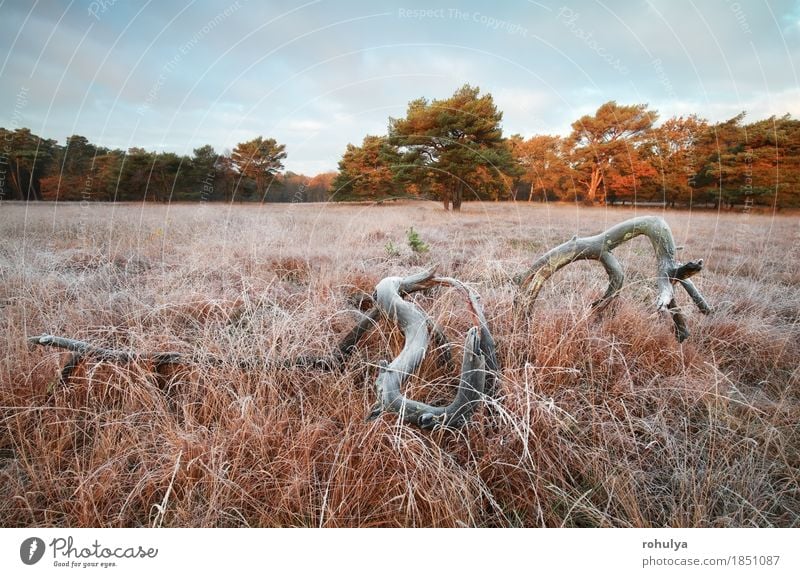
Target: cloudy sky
{"points": [[316, 75]]}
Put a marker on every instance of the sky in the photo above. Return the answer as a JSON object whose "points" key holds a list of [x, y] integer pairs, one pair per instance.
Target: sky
{"points": [[317, 75]]}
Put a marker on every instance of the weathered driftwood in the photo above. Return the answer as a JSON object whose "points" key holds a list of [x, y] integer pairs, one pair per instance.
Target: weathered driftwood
{"points": [[81, 349], [479, 361], [599, 247], [487, 344]]}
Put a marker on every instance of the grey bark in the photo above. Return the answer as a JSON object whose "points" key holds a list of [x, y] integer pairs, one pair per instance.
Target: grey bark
{"points": [[478, 347], [82, 348], [599, 247]]}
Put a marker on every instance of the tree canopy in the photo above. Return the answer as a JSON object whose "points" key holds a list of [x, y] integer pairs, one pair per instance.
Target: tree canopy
{"points": [[366, 171], [606, 145], [456, 144], [542, 163], [259, 160]]}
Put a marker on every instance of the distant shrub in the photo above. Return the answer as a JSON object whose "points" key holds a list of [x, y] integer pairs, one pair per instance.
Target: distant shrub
{"points": [[415, 242]]}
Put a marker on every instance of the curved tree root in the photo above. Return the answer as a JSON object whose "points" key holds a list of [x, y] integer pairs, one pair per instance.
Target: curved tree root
{"points": [[599, 247], [478, 366]]}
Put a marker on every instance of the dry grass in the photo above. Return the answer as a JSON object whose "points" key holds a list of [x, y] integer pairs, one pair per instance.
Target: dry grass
{"points": [[602, 421]]}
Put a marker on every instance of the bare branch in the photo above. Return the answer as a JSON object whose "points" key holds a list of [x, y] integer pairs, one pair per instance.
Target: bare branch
{"points": [[85, 349], [82, 350], [599, 247], [415, 327], [488, 348]]}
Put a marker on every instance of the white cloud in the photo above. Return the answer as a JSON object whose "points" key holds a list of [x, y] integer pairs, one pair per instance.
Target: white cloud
{"points": [[305, 125]]}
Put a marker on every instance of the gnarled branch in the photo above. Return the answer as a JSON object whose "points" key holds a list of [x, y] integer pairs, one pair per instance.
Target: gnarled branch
{"points": [[82, 349], [599, 247], [479, 354]]}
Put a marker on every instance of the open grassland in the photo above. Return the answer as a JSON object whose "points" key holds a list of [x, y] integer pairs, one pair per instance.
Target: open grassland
{"points": [[601, 420]]}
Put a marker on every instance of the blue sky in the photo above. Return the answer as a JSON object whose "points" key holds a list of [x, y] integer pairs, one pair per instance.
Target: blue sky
{"points": [[316, 75]]}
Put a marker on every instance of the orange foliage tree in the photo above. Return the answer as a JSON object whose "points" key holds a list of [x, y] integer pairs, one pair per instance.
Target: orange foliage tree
{"points": [[607, 145]]}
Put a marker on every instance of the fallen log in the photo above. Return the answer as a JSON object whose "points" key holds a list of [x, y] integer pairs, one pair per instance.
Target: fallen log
{"points": [[480, 367]]}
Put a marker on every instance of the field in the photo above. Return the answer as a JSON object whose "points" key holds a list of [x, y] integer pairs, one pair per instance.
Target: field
{"points": [[601, 420]]}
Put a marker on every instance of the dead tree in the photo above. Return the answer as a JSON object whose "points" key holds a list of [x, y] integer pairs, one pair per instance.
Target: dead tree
{"points": [[81, 350], [479, 366], [599, 247]]}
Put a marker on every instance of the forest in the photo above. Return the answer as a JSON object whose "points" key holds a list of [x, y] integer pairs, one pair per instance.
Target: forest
{"points": [[450, 150]]}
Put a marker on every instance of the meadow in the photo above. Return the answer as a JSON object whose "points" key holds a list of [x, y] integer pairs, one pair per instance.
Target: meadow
{"points": [[601, 420]]}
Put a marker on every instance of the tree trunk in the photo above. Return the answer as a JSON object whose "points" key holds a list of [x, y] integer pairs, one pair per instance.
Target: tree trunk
{"points": [[530, 194], [594, 187], [17, 180], [479, 371], [458, 196], [446, 198]]}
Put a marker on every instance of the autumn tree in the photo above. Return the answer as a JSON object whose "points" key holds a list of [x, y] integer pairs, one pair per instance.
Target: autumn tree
{"points": [[444, 149], [630, 179], [722, 149], [297, 188], [542, 164], [754, 162], [763, 166], [777, 167], [293, 187], [259, 161], [366, 171], [607, 145], [83, 171], [320, 187], [108, 171], [70, 174], [674, 152], [457, 143]]}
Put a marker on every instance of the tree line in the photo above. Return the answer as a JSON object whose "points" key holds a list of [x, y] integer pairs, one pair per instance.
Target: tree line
{"points": [[35, 168], [450, 149], [454, 149]]}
